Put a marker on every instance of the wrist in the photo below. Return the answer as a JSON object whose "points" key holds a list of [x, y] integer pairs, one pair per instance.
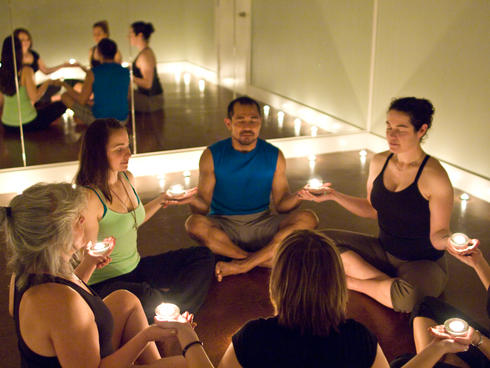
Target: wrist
{"points": [[477, 339]]}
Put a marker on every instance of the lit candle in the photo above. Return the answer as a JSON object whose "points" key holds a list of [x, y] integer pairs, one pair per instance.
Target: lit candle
{"points": [[280, 117], [314, 131], [464, 197], [176, 190], [167, 312], [456, 326], [187, 78], [125, 64], [186, 173], [267, 109], [72, 61], [99, 248], [315, 186], [201, 84], [459, 240], [363, 153]]}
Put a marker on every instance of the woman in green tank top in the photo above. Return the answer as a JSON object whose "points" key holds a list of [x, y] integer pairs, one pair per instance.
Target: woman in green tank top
{"points": [[32, 119], [115, 209]]}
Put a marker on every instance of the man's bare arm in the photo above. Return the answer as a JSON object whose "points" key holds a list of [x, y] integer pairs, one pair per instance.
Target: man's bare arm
{"points": [[207, 181]]}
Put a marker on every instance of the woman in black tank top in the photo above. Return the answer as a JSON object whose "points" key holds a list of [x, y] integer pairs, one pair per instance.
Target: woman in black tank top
{"points": [[59, 320]]}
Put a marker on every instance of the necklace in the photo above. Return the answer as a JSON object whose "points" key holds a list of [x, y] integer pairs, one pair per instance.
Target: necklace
{"points": [[132, 209], [414, 163]]}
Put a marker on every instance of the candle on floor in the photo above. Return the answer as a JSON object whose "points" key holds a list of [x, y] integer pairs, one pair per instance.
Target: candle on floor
{"points": [[175, 190], [267, 109], [72, 61], [167, 312], [99, 248], [459, 241], [280, 118], [456, 326]]}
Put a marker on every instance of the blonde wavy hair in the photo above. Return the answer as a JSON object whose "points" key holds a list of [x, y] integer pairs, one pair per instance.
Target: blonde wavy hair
{"points": [[307, 285], [38, 227]]}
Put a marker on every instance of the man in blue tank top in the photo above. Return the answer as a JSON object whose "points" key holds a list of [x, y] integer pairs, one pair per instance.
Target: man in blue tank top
{"points": [[109, 82], [237, 177]]}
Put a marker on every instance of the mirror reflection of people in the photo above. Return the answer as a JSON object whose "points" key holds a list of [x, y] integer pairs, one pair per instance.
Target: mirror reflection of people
{"points": [[59, 319], [33, 59], [32, 118], [100, 30], [237, 178], [181, 277], [148, 95], [108, 81], [410, 195]]}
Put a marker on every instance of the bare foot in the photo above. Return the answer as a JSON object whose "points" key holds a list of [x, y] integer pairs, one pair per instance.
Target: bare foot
{"points": [[223, 269]]}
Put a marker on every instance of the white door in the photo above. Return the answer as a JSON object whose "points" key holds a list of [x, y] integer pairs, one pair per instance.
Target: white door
{"points": [[233, 28]]}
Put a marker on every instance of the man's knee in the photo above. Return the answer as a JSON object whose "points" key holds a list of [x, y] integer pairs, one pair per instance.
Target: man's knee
{"points": [[404, 296], [305, 219], [195, 224]]}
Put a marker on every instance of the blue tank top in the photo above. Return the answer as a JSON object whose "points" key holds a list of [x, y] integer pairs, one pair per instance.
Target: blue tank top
{"points": [[404, 219], [243, 179], [111, 83], [102, 314]]}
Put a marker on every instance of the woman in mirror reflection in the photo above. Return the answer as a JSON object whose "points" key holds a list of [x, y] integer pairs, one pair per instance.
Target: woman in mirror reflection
{"points": [[33, 118], [182, 276], [310, 329], [33, 59], [59, 319], [411, 197], [100, 30], [149, 93]]}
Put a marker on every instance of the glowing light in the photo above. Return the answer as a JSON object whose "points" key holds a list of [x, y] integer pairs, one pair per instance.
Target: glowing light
{"points": [[74, 186], [267, 109], [459, 240], [125, 64], [99, 248], [186, 173], [363, 153], [162, 183], [464, 197], [315, 183], [177, 76], [312, 158], [175, 190], [72, 61], [314, 131], [187, 78], [280, 118], [167, 312], [456, 327], [201, 84], [297, 127]]}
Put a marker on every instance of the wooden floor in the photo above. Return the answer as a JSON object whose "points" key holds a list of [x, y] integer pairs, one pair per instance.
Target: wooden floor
{"points": [[240, 298]]}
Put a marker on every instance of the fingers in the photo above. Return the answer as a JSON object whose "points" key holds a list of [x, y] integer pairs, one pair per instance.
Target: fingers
{"points": [[218, 273]]}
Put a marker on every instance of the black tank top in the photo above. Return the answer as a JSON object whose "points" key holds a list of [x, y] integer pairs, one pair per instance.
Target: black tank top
{"points": [[35, 61], [404, 219], [103, 320], [93, 61], [156, 87]]}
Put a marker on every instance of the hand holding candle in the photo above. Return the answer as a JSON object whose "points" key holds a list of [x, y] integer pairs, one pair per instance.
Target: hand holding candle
{"points": [[167, 312], [100, 248], [460, 243], [315, 186]]}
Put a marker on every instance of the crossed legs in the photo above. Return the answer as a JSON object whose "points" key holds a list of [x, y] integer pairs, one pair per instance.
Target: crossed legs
{"points": [[212, 236]]}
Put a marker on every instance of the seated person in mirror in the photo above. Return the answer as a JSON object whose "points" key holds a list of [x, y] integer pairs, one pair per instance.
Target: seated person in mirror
{"points": [[411, 197], [237, 177], [59, 319], [100, 30], [148, 95], [33, 118], [182, 276], [33, 59], [109, 82]]}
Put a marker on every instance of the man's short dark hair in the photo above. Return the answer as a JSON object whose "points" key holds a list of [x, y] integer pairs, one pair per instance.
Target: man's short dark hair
{"points": [[243, 100], [107, 48]]}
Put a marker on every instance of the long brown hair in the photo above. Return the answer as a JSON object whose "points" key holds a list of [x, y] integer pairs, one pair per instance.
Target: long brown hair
{"points": [[307, 285], [7, 71], [93, 164]]}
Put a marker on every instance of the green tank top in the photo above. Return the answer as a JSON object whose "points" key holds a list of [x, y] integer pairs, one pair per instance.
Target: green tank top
{"points": [[125, 256], [10, 115]]}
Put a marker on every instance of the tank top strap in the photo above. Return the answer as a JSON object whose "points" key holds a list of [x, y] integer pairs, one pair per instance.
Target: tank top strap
{"points": [[100, 198], [386, 163], [134, 191], [421, 168]]}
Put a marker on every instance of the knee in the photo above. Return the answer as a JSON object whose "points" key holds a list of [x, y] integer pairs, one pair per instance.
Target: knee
{"points": [[307, 218], [196, 225], [126, 299], [404, 296]]}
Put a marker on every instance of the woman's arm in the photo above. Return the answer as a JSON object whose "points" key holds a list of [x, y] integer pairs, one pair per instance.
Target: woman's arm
{"points": [[27, 80], [146, 63], [48, 70], [83, 96], [229, 359]]}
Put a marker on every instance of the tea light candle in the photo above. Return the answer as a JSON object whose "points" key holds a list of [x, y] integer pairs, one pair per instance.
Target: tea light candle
{"points": [[187, 78], [201, 84], [459, 240], [280, 117], [125, 64], [72, 61], [456, 326], [176, 190], [167, 312], [315, 183], [267, 109], [99, 248]]}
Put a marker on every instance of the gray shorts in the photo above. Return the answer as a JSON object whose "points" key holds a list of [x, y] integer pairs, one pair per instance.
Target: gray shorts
{"points": [[250, 232], [83, 113]]}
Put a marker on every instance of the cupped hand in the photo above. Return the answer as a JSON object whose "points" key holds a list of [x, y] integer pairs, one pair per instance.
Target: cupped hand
{"points": [[307, 193], [184, 198], [184, 327], [468, 251], [454, 343]]}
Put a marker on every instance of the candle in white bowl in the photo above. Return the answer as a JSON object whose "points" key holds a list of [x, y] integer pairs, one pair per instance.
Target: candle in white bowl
{"points": [[459, 240], [315, 186], [176, 190], [99, 248], [456, 326], [167, 312]]}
